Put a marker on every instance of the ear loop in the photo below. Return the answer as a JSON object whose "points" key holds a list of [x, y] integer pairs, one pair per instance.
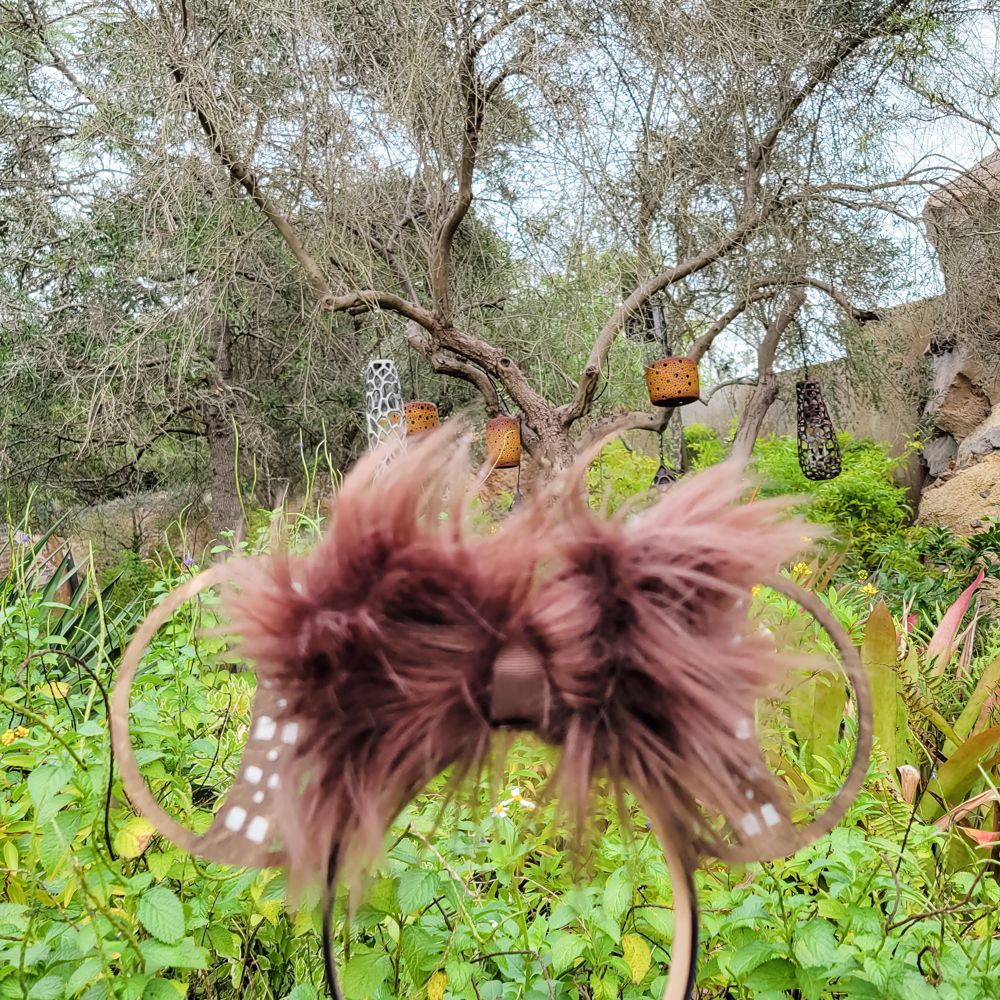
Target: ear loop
{"points": [[681, 980], [217, 845], [795, 839]]}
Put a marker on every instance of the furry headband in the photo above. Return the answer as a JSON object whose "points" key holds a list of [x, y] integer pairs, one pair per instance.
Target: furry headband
{"points": [[397, 648]]}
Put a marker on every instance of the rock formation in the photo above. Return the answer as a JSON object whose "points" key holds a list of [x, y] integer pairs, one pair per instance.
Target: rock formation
{"points": [[962, 453]]}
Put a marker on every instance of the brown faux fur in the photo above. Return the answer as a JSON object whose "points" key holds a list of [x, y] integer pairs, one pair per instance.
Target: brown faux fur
{"points": [[382, 642]]}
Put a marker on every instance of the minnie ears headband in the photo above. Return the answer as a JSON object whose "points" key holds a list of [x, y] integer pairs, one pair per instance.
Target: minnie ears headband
{"points": [[397, 647]]}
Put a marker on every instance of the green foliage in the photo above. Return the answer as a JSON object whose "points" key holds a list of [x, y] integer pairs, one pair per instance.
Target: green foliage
{"points": [[501, 906], [929, 567], [704, 446], [133, 577], [619, 474], [864, 504]]}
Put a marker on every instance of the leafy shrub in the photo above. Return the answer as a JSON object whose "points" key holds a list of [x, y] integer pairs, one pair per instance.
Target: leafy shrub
{"points": [[926, 567], [704, 446], [618, 474], [498, 906], [863, 503]]}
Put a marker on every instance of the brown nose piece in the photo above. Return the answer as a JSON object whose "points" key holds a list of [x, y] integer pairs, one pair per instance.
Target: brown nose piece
{"points": [[519, 686]]}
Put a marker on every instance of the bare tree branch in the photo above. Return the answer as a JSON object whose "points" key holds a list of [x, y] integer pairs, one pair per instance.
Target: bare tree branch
{"points": [[587, 386], [859, 315], [700, 347], [247, 179], [767, 382]]}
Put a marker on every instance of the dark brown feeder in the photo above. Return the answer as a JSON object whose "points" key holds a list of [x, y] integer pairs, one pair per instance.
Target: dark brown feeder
{"points": [[420, 417], [819, 450], [503, 442], [664, 477], [672, 382]]}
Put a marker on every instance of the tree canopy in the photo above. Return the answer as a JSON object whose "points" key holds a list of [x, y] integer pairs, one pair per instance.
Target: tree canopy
{"points": [[212, 214]]}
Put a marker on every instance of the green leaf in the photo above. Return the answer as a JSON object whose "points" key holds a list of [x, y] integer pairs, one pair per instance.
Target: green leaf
{"points": [[879, 654], [185, 955], [382, 896], [777, 974], [134, 986], [618, 894], [988, 683], [160, 863], [47, 988], [417, 889], [420, 950], [565, 950], [365, 973], [816, 705], [861, 989], [160, 989], [459, 975], [815, 945], [750, 957], [44, 783], [304, 991], [812, 982], [661, 920], [604, 987], [224, 941], [83, 974], [161, 913], [58, 838], [12, 913], [957, 775]]}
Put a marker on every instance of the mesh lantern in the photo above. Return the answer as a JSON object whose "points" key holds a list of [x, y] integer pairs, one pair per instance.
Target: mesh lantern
{"points": [[819, 451], [420, 417], [672, 382], [503, 442], [383, 402], [664, 477]]}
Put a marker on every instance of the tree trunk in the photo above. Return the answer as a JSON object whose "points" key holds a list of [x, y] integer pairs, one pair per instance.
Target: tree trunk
{"points": [[766, 391], [764, 394], [227, 512]]}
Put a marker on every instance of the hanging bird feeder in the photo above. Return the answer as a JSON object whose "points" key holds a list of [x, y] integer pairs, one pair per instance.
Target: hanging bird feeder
{"points": [[819, 451], [420, 417], [383, 402], [672, 382], [503, 442], [665, 476]]}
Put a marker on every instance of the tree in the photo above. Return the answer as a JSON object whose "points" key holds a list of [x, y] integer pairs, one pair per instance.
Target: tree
{"points": [[322, 167]]}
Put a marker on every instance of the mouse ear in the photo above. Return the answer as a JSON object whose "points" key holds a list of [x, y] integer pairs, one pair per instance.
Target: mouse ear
{"points": [[765, 831], [243, 830]]}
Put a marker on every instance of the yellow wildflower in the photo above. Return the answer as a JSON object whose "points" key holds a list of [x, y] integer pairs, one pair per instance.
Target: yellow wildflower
{"points": [[805, 539], [755, 591], [862, 574], [869, 589], [802, 568], [21, 731], [8, 738]]}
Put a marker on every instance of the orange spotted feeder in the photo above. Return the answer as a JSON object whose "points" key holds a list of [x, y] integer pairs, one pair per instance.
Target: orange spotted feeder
{"points": [[503, 442], [672, 382], [421, 417]]}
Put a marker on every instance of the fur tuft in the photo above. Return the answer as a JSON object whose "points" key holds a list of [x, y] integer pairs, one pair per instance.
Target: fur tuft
{"points": [[381, 642], [643, 627]]}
